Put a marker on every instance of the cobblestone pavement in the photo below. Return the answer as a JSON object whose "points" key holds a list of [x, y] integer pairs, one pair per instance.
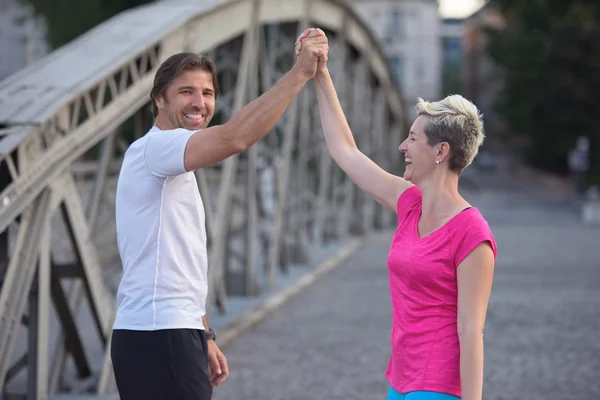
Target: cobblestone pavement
{"points": [[542, 334]]}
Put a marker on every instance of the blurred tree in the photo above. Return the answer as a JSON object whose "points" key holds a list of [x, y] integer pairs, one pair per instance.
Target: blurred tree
{"points": [[549, 54], [451, 80], [67, 19]]}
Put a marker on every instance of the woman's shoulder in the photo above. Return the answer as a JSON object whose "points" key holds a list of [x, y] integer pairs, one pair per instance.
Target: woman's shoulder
{"points": [[472, 218], [410, 197], [471, 228], [408, 201]]}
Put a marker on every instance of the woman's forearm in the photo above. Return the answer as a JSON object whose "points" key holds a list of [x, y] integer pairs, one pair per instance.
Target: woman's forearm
{"points": [[471, 365], [338, 135]]}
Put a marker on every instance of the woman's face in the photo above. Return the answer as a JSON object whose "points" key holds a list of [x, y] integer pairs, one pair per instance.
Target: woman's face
{"points": [[420, 157]]}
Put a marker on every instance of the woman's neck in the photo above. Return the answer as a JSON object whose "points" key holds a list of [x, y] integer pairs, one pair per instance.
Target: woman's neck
{"points": [[440, 195]]}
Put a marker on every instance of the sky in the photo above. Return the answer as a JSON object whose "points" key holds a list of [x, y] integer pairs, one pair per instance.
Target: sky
{"points": [[458, 8]]}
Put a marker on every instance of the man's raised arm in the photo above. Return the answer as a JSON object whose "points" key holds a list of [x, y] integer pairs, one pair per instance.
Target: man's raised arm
{"points": [[249, 125]]}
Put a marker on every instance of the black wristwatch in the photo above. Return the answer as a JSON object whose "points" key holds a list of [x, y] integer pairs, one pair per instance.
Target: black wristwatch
{"points": [[210, 334]]}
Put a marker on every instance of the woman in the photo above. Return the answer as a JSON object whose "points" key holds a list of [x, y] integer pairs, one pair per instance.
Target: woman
{"points": [[442, 256]]}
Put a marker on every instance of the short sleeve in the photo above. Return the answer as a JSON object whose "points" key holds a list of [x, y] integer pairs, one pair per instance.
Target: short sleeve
{"points": [[470, 235], [164, 152], [407, 201]]}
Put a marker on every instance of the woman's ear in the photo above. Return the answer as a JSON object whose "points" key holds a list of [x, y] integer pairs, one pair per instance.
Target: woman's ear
{"points": [[443, 150]]}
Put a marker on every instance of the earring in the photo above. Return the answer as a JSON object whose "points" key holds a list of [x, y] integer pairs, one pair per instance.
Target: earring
{"points": [[437, 162]]}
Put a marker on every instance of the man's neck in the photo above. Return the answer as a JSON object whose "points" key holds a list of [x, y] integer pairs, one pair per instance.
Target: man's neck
{"points": [[162, 123]]}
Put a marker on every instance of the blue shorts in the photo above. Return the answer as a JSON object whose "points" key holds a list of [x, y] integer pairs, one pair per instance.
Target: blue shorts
{"points": [[419, 395]]}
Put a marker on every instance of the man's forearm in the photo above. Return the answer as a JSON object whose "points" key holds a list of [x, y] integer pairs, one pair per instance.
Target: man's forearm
{"points": [[205, 323], [471, 366], [255, 120]]}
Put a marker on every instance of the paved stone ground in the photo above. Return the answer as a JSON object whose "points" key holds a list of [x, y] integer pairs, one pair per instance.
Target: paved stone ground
{"points": [[542, 334]]}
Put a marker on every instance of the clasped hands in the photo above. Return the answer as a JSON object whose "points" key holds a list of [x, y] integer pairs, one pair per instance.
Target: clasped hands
{"points": [[312, 49]]}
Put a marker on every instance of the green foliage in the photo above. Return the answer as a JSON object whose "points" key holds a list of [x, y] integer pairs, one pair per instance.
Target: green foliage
{"points": [[451, 81], [549, 53], [68, 19]]}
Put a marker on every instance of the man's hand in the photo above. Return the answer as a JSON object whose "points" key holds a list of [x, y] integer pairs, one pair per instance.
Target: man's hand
{"points": [[302, 41], [312, 48], [217, 364]]}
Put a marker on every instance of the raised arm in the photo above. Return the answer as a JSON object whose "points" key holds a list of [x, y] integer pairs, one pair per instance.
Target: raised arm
{"points": [[382, 186], [249, 125]]}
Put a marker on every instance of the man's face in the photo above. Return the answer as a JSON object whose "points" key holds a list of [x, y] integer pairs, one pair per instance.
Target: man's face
{"points": [[189, 102]]}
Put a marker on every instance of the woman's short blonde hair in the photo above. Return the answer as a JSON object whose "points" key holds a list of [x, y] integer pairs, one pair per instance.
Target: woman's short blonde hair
{"points": [[457, 121]]}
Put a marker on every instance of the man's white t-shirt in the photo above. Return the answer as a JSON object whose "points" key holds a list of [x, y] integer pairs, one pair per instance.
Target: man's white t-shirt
{"points": [[161, 236]]}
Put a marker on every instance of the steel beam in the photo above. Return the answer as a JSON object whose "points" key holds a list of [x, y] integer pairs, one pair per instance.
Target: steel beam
{"points": [[39, 310], [101, 303], [217, 254], [289, 136], [19, 277]]}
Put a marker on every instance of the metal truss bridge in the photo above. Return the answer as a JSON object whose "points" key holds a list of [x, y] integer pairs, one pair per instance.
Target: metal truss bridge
{"points": [[67, 120]]}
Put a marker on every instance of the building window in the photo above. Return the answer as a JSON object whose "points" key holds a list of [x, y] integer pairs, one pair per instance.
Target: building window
{"points": [[452, 48], [397, 67], [395, 26], [420, 69]]}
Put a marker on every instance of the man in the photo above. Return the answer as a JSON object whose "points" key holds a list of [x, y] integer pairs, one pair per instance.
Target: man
{"points": [[162, 347]]}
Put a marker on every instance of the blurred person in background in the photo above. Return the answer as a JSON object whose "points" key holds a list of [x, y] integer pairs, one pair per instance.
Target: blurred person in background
{"points": [[579, 164], [162, 347], [442, 255]]}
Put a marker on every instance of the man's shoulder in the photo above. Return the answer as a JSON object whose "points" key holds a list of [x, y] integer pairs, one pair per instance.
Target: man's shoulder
{"points": [[157, 132], [154, 132]]}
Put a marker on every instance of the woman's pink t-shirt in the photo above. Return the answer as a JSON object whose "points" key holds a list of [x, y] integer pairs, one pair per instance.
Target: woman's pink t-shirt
{"points": [[422, 272]]}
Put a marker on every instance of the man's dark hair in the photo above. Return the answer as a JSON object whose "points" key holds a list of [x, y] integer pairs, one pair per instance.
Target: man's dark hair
{"points": [[174, 66]]}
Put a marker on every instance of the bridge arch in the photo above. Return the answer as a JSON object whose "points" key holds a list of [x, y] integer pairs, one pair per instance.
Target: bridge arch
{"points": [[67, 120]]}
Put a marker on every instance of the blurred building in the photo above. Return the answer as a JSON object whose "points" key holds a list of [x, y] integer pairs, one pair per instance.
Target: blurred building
{"points": [[481, 80], [409, 31], [22, 37], [452, 36]]}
